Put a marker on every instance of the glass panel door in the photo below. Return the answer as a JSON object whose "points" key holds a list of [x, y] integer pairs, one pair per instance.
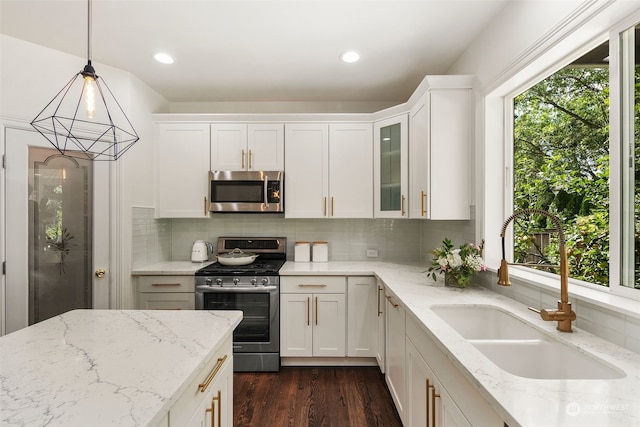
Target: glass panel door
{"points": [[60, 233]]}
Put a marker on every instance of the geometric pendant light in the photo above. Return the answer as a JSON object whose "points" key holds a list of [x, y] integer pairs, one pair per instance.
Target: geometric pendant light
{"points": [[84, 120]]}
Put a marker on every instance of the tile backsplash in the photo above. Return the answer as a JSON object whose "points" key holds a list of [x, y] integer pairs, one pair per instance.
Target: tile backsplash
{"points": [[348, 239], [151, 238]]}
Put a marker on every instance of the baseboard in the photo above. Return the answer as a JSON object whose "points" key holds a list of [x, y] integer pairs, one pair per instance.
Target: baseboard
{"points": [[328, 361]]}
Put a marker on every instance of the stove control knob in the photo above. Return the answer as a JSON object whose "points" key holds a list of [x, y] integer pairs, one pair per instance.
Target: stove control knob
{"points": [[265, 281], [254, 281], [235, 281], [219, 282], [208, 282]]}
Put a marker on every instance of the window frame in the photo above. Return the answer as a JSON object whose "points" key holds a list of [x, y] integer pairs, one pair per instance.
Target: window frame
{"points": [[496, 206]]}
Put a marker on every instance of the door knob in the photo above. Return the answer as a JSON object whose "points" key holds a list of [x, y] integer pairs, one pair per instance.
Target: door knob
{"points": [[100, 273]]}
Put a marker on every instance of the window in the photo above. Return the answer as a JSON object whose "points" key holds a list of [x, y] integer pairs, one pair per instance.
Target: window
{"points": [[630, 156], [561, 165], [570, 159]]}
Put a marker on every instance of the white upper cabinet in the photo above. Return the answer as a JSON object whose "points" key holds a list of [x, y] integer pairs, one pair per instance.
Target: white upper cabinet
{"points": [[242, 147], [439, 145], [328, 170], [351, 170], [306, 171], [391, 151], [182, 166]]}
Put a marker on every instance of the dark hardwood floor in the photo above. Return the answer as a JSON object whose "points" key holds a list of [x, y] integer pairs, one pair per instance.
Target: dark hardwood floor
{"points": [[313, 397]]}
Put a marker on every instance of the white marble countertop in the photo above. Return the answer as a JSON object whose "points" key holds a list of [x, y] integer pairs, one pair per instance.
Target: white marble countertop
{"points": [[520, 401], [106, 367], [168, 268]]}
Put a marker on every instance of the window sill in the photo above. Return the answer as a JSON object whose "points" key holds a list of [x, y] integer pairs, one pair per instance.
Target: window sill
{"points": [[600, 297]]}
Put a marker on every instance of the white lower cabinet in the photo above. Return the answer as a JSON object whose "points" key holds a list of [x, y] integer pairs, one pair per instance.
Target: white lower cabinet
{"points": [[208, 400], [395, 353], [428, 404], [438, 395], [312, 316], [166, 292], [362, 308], [380, 332]]}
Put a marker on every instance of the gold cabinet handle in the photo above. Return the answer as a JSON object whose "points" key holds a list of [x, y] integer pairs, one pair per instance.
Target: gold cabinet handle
{"points": [[423, 197], [427, 403], [205, 206], [324, 211], [164, 284], [242, 159], [203, 386], [331, 205], [402, 206], [433, 404], [100, 273], [392, 302], [308, 311], [379, 310], [215, 399], [316, 311], [250, 160], [311, 285]]}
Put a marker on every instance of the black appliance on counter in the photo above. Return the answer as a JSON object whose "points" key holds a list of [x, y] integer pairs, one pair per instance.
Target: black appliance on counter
{"points": [[253, 289]]}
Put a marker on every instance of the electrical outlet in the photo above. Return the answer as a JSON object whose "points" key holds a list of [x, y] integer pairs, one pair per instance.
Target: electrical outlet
{"points": [[372, 253]]}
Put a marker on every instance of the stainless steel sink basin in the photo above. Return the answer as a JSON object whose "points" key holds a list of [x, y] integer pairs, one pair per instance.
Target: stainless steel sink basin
{"points": [[519, 348]]}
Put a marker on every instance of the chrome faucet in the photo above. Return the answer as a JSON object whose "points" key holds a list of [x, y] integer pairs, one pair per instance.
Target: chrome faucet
{"points": [[563, 314]]}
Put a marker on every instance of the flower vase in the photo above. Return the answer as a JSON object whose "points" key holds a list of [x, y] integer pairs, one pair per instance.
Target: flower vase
{"points": [[452, 281]]}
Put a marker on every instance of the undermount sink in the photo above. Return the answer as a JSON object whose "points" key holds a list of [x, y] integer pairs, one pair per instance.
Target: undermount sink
{"points": [[519, 348]]}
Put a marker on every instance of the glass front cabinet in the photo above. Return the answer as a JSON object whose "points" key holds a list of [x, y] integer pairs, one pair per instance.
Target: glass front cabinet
{"points": [[391, 167]]}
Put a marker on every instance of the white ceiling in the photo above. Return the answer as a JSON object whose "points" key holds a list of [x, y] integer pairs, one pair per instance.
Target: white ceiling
{"points": [[261, 50]]}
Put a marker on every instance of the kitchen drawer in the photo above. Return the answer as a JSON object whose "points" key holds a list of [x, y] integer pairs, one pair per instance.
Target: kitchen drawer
{"points": [[187, 404], [167, 283], [167, 301], [312, 284]]}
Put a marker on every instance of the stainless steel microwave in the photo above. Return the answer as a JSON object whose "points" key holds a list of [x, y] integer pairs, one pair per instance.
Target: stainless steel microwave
{"points": [[246, 191]]}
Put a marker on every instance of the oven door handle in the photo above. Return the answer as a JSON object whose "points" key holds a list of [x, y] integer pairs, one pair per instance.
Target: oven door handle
{"points": [[230, 290]]}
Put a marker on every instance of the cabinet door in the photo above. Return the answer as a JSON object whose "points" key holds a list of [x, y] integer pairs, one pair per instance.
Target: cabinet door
{"points": [[419, 383], [362, 316], [449, 154], [306, 170], [380, 338], [329, 325], [390, 167], [265, 147], [216, 408], [296, 337], [419, 159], [166, 301], [351, 170], [182, 168], [229, 147], [395, 354]]}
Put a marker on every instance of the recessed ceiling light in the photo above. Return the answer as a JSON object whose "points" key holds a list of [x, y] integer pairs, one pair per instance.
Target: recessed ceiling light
{"points": [[163, 58], [350, 56]]}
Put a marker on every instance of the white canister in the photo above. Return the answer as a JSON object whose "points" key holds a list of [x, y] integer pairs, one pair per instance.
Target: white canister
{"points": [[320, 252], [302, 252]]}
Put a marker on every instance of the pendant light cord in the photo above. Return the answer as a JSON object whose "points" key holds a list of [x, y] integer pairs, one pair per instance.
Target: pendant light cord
{"points": [[89, 31]]}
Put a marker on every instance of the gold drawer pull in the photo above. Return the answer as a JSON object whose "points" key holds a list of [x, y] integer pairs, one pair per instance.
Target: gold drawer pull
{"points": [[213, 373], [215, 399], [165, 284], [392, 302], [320, 285]]}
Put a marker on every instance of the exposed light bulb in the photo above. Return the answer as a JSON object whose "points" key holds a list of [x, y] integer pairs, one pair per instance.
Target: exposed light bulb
{"points": [[90, 96], [350, 56]]}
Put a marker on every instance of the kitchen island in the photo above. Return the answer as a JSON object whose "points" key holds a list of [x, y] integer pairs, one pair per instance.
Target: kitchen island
{"points": [[108, 367]]}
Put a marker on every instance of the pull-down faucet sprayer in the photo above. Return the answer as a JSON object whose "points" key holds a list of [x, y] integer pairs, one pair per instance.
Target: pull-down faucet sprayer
{"points": [[563, 314]]}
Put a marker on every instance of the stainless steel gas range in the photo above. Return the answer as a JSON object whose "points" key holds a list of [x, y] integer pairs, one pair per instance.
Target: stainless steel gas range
{"points": [[253, 289]]}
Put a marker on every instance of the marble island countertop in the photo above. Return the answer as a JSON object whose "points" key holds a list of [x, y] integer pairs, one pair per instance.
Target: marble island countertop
{"points": [[519, 401], [106, 367]]}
